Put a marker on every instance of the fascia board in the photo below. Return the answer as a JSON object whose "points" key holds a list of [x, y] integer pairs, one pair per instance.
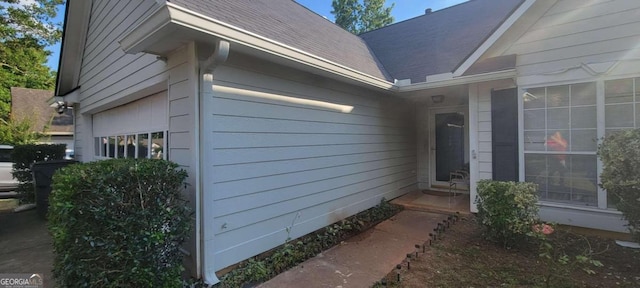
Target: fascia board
{"points": [[524, 7], [506, 74], [73, 43]]}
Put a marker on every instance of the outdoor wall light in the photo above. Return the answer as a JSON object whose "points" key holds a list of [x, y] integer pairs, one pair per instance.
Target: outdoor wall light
{"points": [[437, 98]]}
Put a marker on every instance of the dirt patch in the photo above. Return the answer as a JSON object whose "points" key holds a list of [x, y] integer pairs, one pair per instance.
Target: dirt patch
{"points": [[462, 257]]}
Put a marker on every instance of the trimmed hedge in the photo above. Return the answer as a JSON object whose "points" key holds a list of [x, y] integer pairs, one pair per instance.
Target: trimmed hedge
{"points": [[508, 210], [119, 223], [620, 154], [25, 155]]}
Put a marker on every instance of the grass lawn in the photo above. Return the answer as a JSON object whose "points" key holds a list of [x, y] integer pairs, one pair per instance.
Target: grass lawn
{"points": [[461, 257]]}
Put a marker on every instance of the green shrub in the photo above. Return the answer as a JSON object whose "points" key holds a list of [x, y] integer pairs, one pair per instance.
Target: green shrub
{"points": [[25, 155], [119, 223], [620, 154], [508, 210]]}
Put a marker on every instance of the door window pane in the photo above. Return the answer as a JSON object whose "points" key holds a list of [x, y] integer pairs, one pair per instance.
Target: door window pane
{"points": [[618, 91], [534, 140], [534, 98], [121, 145], [558, 118], [558, 96], [534, 119], [105, 147], [96, 146], [157, 144], [131, 146], [619, 116], [583, 117], [143, 145], [583, 94], [112, 146], [584, 140]]}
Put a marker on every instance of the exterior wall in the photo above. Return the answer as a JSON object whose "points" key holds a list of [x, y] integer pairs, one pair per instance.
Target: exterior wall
{"points": [[480, 146], [573, 33], [110, 78], [454, 97], [291, 153], [574, 42]]}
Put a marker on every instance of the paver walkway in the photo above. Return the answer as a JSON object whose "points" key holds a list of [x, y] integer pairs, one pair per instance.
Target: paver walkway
{"points": [[365, 258]]}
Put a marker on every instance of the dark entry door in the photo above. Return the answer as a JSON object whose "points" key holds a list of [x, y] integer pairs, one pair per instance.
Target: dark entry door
{"points": [[449, 144], [504, 130]]}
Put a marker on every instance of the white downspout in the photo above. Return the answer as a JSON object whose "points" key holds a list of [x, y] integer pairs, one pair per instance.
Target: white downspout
{"points": [[205, 88]]}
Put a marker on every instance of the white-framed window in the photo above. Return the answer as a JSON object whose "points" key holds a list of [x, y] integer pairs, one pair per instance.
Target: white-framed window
{"points": [[561, 135], [132, 145], [560, 142]]}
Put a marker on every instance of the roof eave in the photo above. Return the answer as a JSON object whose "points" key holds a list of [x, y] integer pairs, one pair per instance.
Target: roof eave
{"points": [[462, 80], [152, 36], [73, 41]]}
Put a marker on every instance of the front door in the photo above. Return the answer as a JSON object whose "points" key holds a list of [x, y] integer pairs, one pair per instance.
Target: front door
{"points": [[448, 144]]}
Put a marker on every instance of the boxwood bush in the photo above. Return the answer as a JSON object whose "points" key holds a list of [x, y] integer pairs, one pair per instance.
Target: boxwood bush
{"points": [[25, 155], [119, 223], [620, 154], [508, 210]]}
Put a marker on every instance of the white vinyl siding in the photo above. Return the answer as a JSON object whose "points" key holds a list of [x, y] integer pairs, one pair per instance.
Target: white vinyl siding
{"points": [[574, 32], [108, 76], [290, 149]]}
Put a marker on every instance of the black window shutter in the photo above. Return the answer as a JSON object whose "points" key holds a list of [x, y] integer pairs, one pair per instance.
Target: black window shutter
{"points": [[504, 134]]}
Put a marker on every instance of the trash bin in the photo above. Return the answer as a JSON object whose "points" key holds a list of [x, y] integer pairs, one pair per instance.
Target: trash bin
{"points": [[42, 174]]}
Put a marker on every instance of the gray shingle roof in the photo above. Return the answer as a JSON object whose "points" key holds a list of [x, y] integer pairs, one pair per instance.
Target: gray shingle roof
{"points": [[438, 42], [292, 24]]}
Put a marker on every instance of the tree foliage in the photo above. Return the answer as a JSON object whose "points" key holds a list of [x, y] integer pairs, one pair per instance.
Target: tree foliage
{"points": [[26, 29], [359, 16], [18, 132], [620, 155]]}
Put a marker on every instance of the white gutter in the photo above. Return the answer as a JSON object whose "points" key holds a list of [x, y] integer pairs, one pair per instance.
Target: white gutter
{"points": [[171, 17], [439, 83], [205, 86]]}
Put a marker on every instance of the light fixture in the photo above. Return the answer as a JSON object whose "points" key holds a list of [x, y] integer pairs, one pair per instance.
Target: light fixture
{"points": [[437, 98]]}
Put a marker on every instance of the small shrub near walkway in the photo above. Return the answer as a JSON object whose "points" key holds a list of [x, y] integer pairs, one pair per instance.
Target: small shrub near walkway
{"points": [[119, 223]]}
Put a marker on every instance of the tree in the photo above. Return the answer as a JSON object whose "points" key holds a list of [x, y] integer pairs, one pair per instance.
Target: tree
{"points": [[358, 16], [26, 29], [18, 132]]}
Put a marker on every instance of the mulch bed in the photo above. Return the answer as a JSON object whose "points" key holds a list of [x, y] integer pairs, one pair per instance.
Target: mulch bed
{"points": [[462, 257]]}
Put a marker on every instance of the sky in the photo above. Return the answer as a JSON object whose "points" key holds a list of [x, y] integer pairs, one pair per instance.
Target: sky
{"points": [[403, 10]]}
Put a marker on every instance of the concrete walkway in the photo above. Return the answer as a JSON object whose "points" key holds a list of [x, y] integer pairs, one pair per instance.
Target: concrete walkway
{"points": [[365, 258]]}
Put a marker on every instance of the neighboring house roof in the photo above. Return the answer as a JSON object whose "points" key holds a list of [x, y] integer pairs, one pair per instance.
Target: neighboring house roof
{"points": [[292, 24], [437, 42], [32, 104]]}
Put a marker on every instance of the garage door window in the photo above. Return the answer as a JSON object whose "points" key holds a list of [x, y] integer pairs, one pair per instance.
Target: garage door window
{"points": [[142, 145]]}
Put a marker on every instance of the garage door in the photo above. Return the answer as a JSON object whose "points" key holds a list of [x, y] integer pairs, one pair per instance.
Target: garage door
{"points": [[134, 130]]}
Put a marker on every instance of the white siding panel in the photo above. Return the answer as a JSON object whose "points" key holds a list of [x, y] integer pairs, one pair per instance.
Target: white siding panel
{"points": [[107, 74], [576, 32], [288, 149]]}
